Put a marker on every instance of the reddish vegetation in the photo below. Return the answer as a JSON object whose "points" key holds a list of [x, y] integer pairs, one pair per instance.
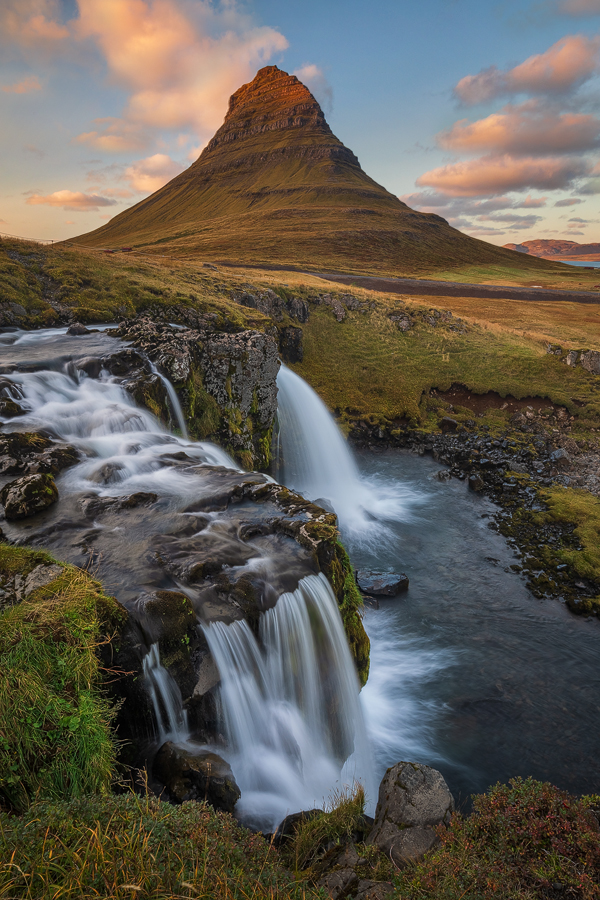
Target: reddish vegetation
{"points": [[552, 249]]}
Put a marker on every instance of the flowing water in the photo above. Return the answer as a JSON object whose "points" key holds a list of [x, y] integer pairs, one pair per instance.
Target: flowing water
{"points": [[291, 706], [289, 699], [469, 672]]}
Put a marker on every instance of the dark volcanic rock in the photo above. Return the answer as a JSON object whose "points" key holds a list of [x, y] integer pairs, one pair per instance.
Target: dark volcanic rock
{"points": [[413, 800], [77, 329], [194, 773], [27, 496], [290, 344], [381, 584]]}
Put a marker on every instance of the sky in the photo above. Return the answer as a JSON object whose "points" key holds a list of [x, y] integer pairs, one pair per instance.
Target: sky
{"points": [[486, 112]]}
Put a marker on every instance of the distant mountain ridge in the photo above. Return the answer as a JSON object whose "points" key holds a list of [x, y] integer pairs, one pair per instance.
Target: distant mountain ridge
{"points": [[555, 249], [275, 186]]}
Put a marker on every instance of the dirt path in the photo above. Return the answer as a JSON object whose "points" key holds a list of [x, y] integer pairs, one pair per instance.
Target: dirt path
{"points": [[458, 289]]}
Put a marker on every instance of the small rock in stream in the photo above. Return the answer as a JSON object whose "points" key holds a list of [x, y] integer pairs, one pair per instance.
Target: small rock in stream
{"points": [[381, 584], [195, 773], [27, 496]]}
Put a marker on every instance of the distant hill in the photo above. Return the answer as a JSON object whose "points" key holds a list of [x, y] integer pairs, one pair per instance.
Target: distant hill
{"points": [[275, 187], [551, 249]]}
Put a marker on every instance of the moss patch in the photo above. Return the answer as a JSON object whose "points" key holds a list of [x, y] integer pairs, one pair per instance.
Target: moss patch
{"points": [[55, 738]]}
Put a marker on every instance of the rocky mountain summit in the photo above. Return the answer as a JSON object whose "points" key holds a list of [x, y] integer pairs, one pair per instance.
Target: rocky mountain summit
{"points": [[276, 186]]}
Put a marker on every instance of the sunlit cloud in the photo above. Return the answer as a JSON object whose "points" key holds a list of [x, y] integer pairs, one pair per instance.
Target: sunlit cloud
{"points": [[524, 130], [148, 175], [75, 201], [568, 63], [26, 86], [115, 136], [498, 174], [32, 23]]}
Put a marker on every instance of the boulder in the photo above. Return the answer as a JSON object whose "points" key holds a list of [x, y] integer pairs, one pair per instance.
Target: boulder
{"points": [[77, 329], [381, 584], [448, 424], [27, 496], [476, 483], [191, 772], [9, 408], [413, 800]]}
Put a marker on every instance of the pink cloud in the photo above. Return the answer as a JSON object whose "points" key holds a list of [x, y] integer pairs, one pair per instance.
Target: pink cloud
{"points": [[32, 23], [525, 129], [148, 175], [115, 136], [26, 86], [567, 64], [75, 201], [498, 174], [166, 54]]}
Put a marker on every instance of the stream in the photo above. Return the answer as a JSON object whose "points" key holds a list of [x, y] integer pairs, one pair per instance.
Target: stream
{"points": [[469, 673]]}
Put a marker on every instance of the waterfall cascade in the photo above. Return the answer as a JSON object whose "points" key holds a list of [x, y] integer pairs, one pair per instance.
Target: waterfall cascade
{"points": [[171, 717], [291, 706], [291, 698], [174, 401], [315, 460]]}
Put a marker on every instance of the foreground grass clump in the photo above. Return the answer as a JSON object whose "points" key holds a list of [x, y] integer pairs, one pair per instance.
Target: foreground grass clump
{"points": [[55, 737], [523, 840], [131, 847], [337, 825]]}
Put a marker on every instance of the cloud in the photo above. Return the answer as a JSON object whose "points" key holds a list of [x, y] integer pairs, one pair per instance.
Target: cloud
{"points": [[580, 7], [573, 201], [430, 201], [179, 62], [524, 130], [32, 23], [498, 174], [148, 175], [75, 201], [26, 86], [564, 66], [315, 80], [577, 219], [117, 136], [35, 151]]}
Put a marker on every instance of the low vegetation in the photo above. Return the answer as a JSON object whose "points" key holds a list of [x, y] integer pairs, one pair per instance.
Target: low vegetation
{"points": [[55, 736], [522, 841], [131, 847]]}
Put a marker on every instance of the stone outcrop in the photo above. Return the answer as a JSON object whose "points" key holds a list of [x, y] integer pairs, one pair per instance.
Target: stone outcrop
{"points": [[18, 587], [587, 359], [381, 584], [195, 773], [413, 801], [226, 383]]}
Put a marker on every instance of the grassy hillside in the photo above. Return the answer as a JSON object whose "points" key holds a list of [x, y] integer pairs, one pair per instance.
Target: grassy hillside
{"points": [[275, 186]]}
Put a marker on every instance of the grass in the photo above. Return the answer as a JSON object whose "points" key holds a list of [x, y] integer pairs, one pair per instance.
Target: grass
{"points": [[131, 847], [523, 840], [55, 737]]}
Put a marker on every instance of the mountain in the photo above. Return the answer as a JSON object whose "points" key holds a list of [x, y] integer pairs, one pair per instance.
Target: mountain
{"points": [[552, 249], [275, 186]]}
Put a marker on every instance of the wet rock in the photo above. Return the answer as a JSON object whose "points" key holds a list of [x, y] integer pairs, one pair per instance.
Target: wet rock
{"points": [[191, 772], [208, 677], [290, 344], [77, 329], [288, 827], [381, 584], [413, 800], [476, 483], [443, 475], [27, 496], [10, 408], [448, 424]]}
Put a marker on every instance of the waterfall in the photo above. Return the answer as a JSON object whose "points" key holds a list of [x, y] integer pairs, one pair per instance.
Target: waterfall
{"points": [[291, 706], [316, 461], [171, 717], [174, 401]]}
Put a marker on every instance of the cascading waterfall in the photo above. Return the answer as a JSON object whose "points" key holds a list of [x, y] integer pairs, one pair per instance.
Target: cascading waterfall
{"points": [[317, 462], [171, 717], [174, 401], [291, 705]]}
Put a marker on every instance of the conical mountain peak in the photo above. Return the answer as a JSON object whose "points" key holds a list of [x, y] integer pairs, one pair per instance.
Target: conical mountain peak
{"points": [[276, 186]]}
